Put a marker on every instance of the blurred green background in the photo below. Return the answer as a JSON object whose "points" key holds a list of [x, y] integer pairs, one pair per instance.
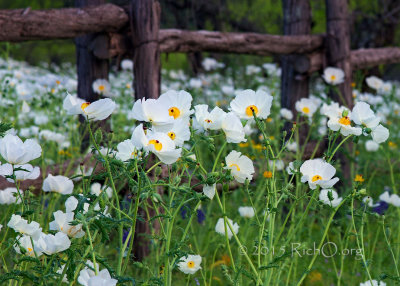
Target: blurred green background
{"points": [[374, 23]]}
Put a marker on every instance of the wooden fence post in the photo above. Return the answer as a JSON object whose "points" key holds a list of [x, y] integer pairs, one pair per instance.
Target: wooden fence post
{"points": [[145, 24], [338, 45], [296, 21]]}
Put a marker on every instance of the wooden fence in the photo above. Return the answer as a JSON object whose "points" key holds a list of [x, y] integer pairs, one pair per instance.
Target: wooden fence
{"points": [[103, 31]]}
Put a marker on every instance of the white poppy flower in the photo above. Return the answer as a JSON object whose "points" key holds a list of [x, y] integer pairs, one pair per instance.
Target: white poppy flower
{"points": [[97, 110], [233, 128], [16, 152], [209, 191], [26, 242], [374, 82], [209, 120], [177, 103], [380, 134], [58, 184], [27, 172], [9, 196], [97, 189], [220, 227], [248, 101], [343, 124], [22, 226], [70, 204], [333, 110], [374, 283], [393, 199], [151, 110], [190, 264], [158, 143], [324, 197], [362, 114], [306, 106], [290, 169], [50, 244], [286, 113], [371, 146], [333, 76], [240, 165], [126, 150], [102, 279], [318, 172], [61, 223], [247, 212], [386, 88], [102, 87], [369, 202], [179, 132]]}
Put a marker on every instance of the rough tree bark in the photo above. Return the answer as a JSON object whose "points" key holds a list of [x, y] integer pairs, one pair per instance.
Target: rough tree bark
{"points": [[296, 21], [145, 25], [338, 45], [90, 67]]}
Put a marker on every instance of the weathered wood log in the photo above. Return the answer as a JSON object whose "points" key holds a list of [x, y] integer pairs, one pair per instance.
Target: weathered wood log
{"points": [[338, 45], [172, 40], [296, 21], [25, 24], [366, 58], [145, 25]]}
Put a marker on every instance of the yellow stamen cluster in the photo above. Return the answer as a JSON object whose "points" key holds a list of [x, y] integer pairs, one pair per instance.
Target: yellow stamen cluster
{"points": [[172, 135], [250, 109], [316, 178], [84, 105], [174, 112], [191, 264], [235, 165], [345, 120], [306, 110], [102, 87], [157, 144]]}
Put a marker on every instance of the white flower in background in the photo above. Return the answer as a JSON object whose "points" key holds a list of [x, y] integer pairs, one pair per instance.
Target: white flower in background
{"points": [[102, 87], [179, 132], [220, 227], [70, 204], [58, 184], [374, 82], [22, 226], [362, 114], [240, 165], [97, 189], [211, 64], [317, 172], [306, 106], [371, 146], [279, 164], [209, 190], [25, 242], [330, 197], [291, 169], [286, 113], [190, 264], [158, 143], [333, 76], [333, 109], [151, 110], [97, 110], [86, 273], [233, 128], [195, 83], [102, 279], [177, 103], [380, 134], [25, 107], [248, 101], [21, 172], [126, 150], [14, 151], [9, 196], [369, 201], [343, 124], [292, 146], [374, 283], [209, 120], [52, 136], [60, 272], [393, 199], [386, 88], [252, 69], [50, 244], [247, 212], [127, 64], [61, 223]]}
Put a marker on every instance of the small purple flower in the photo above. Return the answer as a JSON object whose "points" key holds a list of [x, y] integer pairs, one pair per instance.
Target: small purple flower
{"points": [[381, 207], [197, 281], [201, 216]]}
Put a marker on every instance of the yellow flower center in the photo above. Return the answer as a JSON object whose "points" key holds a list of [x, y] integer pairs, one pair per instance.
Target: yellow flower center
{"points": [[306, 110], [269, 119], [208, 120], [333, 77], [172, 135], [190, 264], [128, 85], [344, 120], [250, 109], [30, 249], [316, 178], [84, 105], [157, 144], [58, 82], [267, 174], [134, 153], [235, 165], [175, 112], [359, 178], [102, 87]]}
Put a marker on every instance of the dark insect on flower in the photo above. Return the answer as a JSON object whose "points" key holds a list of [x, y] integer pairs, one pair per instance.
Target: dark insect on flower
{"points": [[381, 207]]}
